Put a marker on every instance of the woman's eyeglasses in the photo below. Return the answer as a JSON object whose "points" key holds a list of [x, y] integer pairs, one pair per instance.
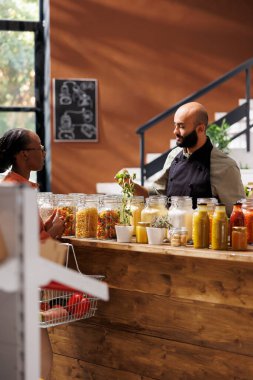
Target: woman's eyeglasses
{"points": [[42, 148]]}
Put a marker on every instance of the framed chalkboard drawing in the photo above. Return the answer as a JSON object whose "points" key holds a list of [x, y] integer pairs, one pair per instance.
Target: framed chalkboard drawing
{"points": [[75, 110]]}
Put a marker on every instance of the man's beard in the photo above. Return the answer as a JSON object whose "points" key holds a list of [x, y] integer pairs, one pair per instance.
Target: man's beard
{"points": [[189, 141]]}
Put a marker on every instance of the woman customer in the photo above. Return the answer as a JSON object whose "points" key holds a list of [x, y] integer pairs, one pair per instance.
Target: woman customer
{"points": [[21, 152]]}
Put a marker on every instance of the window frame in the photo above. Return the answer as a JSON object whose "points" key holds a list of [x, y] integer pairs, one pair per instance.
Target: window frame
{"points": [[42, 85]]}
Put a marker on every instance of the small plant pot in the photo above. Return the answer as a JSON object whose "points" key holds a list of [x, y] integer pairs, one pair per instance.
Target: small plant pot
{"points": [[156, 235], [124, 233]]}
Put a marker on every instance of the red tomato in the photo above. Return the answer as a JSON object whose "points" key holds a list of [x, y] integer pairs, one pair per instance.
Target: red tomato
{"points": [[77, 305], [44, 306]]}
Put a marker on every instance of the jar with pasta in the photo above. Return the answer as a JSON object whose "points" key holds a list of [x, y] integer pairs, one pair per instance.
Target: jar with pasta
{"points": [[156, 205], [136, 207], [87, 217], [108, 217], [66, 209]]}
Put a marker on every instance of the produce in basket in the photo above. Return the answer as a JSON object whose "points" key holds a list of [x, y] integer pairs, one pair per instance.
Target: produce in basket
{"points": [[54, 314], [78, 305]]}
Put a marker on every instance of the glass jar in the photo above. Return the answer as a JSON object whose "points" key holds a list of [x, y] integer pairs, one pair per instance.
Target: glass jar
{"points": [[180, 213], [87, 216], [237, 218], [178, 236], [141, 232], [248, 214], [136, 207], [200, 227], [108, 217], [220, 228], [45, 201], [211, 203], [239, 238], [76, 197], [66, 209], [155, 206]]}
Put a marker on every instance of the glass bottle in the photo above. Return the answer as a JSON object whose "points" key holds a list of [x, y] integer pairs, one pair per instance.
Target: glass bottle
{"points": [[237, 219], [141, 232], [200, 227], [66, 208], [45, 201], [239, 238], [211, 203], [248, 214], [180, 213], [108, 217], [87, 216], [155, 206], [220, 228], [136, 207]]}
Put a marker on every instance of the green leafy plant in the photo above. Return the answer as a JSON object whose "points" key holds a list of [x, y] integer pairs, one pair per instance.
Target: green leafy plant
{"points": [[161, 222], [125, 180], [219, 135]]}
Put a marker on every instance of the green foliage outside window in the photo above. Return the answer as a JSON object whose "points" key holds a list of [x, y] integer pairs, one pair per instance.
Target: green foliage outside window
{"points": [[17, 65], [219, 135]]}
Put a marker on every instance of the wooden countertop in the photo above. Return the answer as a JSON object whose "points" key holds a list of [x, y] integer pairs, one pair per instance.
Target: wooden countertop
{"points": [[165, 249]]}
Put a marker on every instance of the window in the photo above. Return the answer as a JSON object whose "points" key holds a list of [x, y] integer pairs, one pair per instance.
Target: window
{"points": [[22, 70]]}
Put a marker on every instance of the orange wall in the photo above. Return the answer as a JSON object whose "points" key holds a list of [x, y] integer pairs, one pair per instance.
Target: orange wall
{"points": [[146, 55]]}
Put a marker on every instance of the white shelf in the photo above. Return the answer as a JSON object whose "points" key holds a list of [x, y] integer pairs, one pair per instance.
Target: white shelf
{"points": [[21, 274]]}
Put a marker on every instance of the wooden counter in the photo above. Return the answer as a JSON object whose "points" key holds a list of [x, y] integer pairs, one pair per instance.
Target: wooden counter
{"points": [[174, 313]]}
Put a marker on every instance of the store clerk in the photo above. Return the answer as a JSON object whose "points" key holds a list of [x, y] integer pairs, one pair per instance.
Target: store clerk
{"points": [[195, 167], [21, 151]]}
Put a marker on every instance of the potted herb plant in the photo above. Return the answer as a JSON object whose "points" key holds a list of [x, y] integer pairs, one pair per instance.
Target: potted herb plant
{"points": [[124, 230], [157, 231]]}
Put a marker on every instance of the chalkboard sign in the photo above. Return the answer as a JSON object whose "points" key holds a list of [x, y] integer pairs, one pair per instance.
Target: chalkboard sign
{"points": [[75, 110]]}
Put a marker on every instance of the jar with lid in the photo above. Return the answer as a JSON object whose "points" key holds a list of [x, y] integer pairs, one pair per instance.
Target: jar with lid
{"points": [[136, 207], [211, 203], [200, 227], [239, 238], [45, 201], [141, 232], [76, 197], [155, 206], [220, 228], [237, 218], [178, 236], [180, 213], [87, 216], [248, 214], [66, 209], [108, 217]]}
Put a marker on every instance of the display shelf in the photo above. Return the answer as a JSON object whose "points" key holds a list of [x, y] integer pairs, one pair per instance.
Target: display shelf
{"points": [[21, 275]]}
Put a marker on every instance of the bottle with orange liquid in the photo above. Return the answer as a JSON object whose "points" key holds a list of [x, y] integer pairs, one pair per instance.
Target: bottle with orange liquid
{"points": [[237, 218]]}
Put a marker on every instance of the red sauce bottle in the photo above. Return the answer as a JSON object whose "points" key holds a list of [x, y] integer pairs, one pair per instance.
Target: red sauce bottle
{"points": [[237, 218], [248, 214]]}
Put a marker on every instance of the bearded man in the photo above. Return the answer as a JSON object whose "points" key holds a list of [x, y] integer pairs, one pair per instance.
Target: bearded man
{"points": [[195, 167]]}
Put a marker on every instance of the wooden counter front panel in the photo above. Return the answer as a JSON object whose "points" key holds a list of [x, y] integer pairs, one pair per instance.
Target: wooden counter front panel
{"points": [[169, 317], [201, 279]]}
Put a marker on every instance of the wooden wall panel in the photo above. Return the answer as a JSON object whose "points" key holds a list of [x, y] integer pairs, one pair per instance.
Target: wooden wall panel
{"points": [[146, 55], [170, 275], [199, 323], [65, 368], [149, 356], [159, 323]]}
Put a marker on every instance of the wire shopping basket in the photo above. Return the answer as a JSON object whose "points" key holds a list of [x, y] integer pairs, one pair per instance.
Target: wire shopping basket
{"points": [[59, 304]]}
